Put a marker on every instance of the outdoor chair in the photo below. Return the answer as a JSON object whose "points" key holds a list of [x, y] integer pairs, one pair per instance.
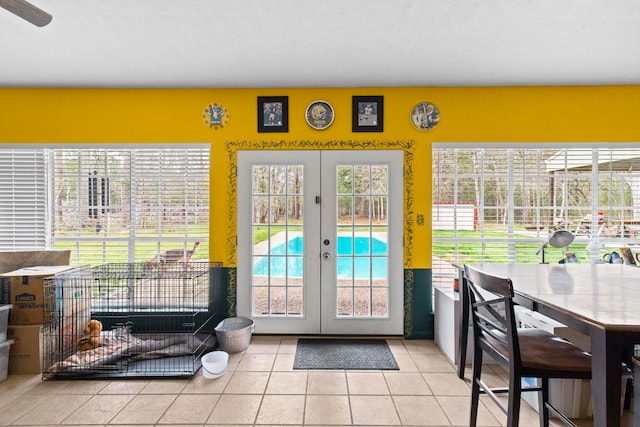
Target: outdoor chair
{"points": [[524, 353]]}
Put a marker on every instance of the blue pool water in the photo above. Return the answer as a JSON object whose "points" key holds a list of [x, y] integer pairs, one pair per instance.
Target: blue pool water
{"points": [[365, 257]]}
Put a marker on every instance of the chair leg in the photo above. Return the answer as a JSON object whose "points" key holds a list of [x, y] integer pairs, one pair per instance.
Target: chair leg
{"points": [[513, 405], [543, 399], [475, 388], [636, 392]]}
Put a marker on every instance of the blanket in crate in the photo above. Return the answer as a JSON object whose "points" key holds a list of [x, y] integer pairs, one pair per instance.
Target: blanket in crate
{"points": [[119, 343]]}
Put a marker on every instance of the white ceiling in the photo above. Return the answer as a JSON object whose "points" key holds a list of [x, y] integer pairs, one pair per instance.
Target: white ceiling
{"points": [[329, 43]]}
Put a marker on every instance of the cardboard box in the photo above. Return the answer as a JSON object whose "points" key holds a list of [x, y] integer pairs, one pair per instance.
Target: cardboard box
{"points": [[25, 354], [14, 260], [42, 293], [37, 346]]}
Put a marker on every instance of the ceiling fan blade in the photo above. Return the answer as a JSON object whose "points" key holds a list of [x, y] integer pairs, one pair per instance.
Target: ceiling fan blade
{"points": [[27, 11]]}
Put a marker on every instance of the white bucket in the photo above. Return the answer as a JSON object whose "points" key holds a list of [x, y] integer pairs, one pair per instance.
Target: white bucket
{"points": [[214, 364]]}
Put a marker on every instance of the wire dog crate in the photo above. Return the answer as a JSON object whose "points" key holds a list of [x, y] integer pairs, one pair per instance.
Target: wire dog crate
{"points": [[155, 321]]}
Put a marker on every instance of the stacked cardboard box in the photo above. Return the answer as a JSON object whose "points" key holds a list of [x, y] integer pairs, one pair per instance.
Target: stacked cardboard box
{"points": [[41, 298]]}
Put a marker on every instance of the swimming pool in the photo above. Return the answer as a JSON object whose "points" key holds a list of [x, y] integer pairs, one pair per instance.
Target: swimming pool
{"points": [[364, 256]]}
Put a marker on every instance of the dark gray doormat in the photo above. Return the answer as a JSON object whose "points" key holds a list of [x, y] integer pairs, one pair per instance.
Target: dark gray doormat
{"points": [[343, 353]]}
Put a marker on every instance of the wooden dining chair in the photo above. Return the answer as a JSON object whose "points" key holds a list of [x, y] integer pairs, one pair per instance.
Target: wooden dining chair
{"points": [[524, 353]]}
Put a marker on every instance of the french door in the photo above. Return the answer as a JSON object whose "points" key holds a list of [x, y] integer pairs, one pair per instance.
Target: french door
{"points": [[320, 241]]}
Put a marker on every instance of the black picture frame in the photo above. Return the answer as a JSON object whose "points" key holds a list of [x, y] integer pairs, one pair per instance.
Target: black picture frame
{"points": [[368, 114], [273, 114]]}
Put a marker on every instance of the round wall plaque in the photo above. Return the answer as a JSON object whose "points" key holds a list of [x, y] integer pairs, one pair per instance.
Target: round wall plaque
{"points": [[425, 116], [319, 115]]}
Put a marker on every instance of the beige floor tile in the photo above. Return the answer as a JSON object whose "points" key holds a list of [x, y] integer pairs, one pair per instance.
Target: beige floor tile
{"points": [[281, 410], [100, 409], [235, 409], [247, 383], [287, 383], [33, 385], [52, 410], [406, 383], [327, 382], [458, 410], [125, 387], [13, 382], [144, 409], [397, 346], [366, 383], [406, 363], [165, 386], [264, 344], [447, 384], [433, 363], [493, 380], [528, 416], [373, 410], [421, 347], [288, 345], [425, 391], [84, 387], [234, 361], [12, 407], [420, 410], [329, 410], [190, 409], [284, 362], [133, 425], [256, 362], [200, 384]]}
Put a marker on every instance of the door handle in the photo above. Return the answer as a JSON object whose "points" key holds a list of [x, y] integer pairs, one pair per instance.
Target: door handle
{"points": [[326, 255]]}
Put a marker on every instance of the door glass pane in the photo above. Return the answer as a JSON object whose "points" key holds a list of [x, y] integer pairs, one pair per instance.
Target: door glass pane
{"points": [[278, 256], [362, 230]]}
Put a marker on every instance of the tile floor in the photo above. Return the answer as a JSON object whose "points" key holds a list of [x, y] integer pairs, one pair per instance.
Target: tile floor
{"points": [[260, 388]]}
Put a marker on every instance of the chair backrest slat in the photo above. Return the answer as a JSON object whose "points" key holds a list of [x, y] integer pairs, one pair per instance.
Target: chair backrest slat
{"points": [[491, 301]]}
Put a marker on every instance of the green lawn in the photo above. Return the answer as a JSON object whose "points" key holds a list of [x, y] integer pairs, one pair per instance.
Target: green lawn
{"points": [[470, 248]]}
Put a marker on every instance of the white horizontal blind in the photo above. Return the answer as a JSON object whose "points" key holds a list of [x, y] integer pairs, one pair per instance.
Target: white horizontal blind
{"points": [[23, 198], [499, 204], [126, 205]]}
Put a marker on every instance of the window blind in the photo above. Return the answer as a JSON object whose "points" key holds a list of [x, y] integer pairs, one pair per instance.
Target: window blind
{"points": [[128, 205], [108, 205], [499, 204], [23, 197]]}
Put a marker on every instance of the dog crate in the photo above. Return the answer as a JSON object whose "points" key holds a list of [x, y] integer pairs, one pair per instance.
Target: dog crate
{"points": [[155, 321]]}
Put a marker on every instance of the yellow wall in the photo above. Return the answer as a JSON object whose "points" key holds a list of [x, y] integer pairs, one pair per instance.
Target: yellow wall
{"points": [[510, 114]]}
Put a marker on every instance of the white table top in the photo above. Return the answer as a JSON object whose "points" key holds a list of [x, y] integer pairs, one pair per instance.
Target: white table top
{"points": [[605, 294]]}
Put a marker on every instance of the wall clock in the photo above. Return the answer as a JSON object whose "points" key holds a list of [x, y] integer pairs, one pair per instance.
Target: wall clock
{"points": [[215, 115]]}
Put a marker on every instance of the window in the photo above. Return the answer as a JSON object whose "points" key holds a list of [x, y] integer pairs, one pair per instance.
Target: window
{"points": [[499, 204], [113, 204], [23, 200]]}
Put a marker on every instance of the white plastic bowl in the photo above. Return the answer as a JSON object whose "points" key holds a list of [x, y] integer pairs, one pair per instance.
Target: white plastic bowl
{"points": [[214, 364]]}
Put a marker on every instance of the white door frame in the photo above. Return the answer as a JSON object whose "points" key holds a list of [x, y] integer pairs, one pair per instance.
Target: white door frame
{"points": [[392, 325], [310, 322], [320, 313]]}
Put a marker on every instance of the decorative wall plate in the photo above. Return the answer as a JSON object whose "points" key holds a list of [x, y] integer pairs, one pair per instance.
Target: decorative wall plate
{"points": [[319, 115], [425, 116], [215, 115]]}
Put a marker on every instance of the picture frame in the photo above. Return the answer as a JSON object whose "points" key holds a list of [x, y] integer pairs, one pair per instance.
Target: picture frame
{"points": [[368, 114], [425, 116], [273, 114]]}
